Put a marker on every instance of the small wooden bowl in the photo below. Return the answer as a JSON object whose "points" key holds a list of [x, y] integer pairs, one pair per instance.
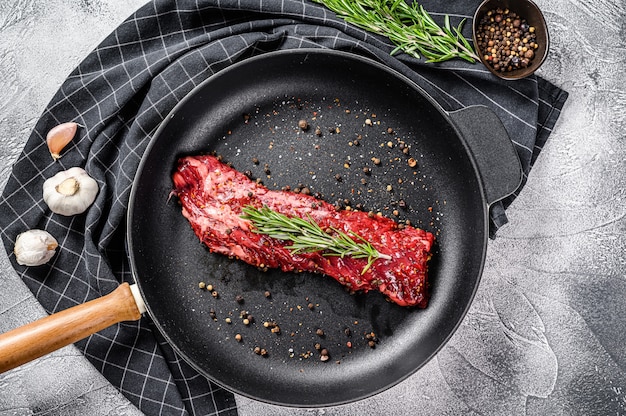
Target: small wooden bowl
{"points": [[528, 10]]}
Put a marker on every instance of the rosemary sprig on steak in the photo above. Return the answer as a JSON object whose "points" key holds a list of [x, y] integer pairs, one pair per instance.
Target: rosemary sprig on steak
{"points": [[307, 236]]}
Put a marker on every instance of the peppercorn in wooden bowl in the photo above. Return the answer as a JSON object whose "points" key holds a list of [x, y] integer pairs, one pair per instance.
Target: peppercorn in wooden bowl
{"points": [[510, 37]]}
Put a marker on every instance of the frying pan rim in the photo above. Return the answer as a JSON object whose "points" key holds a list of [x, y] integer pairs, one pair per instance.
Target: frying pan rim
{"points": [[252, 60]]}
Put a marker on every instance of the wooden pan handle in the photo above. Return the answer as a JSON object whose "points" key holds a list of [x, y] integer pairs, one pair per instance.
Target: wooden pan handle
{"points": [[48, 334]]}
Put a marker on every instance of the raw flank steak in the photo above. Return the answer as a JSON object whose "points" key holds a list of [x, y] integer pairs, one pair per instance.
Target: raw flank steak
{"points": [[214, 195]]}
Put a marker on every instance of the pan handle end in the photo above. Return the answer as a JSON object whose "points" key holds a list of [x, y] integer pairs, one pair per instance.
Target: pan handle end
{"points": [[55, 331], [495, 155]]}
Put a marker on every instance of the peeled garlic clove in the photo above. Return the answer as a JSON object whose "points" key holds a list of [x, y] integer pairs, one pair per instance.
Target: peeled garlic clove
{"points": [[34, 247], [58, 137]]}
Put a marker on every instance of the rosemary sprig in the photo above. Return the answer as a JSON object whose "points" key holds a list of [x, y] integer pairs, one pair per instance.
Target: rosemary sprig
{"points": [[409, 27], [307, 236]]}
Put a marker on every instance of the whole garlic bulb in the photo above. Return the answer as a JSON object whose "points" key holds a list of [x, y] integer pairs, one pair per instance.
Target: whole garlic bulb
{"points": [[70, 192], [34, 247]]}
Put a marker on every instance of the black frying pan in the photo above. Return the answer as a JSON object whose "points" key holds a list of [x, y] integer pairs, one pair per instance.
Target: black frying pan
{"points": [[251, 110]]}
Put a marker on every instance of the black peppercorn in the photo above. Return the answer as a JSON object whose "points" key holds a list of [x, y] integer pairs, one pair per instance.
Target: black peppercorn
{"points": [[505, 39]]}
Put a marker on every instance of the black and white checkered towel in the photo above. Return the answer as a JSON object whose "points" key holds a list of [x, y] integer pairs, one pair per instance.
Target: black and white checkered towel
{"points": [[126, 87]]}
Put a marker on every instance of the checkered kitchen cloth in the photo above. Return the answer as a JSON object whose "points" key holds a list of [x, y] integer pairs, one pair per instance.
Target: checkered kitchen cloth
{"points": [[126, 87]]}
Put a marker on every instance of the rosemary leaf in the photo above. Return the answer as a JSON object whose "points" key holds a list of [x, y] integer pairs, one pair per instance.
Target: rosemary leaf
{"points": [[409, 27], [306, 236]]}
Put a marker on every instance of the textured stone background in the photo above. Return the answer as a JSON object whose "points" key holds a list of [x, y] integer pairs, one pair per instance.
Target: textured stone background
{"points": [[546, 333]]}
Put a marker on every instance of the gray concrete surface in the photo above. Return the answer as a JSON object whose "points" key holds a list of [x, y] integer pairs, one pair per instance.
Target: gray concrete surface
{"points": [[546, 332]]}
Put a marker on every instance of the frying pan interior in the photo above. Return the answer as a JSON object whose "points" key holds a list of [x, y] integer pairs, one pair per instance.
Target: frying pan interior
{"points": [[367, 115]]}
